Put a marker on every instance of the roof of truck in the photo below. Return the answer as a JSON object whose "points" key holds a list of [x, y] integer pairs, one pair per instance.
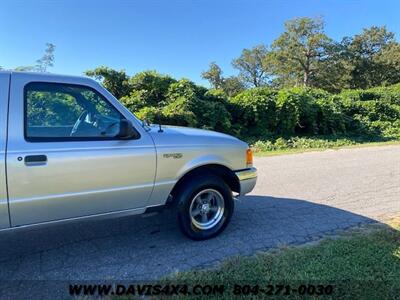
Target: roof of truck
{"points": [[46, 75]]}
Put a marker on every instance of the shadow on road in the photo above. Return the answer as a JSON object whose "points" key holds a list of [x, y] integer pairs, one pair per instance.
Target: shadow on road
{"points": [[144, 248]]}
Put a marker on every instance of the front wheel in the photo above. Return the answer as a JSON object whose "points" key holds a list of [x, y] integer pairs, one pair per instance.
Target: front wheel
{"points": [[205, 207]]}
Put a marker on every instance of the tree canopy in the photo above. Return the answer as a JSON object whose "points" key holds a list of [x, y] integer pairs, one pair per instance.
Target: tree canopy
{"points": [[250, 64], [214, 76], [298, 54], [372, 58], [303, 55], [114, 81]]}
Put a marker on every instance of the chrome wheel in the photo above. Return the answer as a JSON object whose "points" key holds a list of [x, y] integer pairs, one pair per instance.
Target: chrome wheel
{"points": [[207, 209]]}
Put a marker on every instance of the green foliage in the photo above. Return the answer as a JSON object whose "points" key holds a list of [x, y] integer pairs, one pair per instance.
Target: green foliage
{"points": [[182, 100], [194, 106], [214, 76], [297, 111], [180, 112], [373, 112], [371, 58], [301, 143], [254, 111], [233, 86], [213, 115], [265, 111], [51, 109], [47, 60], [148, 89], [154, 85], [250, 64], [261, 111], [148, 113], [330, 116], [303, 84], [297, 54], [116, 82], [303, 55]]}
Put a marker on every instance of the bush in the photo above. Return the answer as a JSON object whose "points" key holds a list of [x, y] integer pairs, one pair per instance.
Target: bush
{"points": [[300, 143], [258, 112], [253, 112], [150, 114], [264, 111], [263, 146], [372, 116], [297, 112], [190, 105], [330, 116], [213, 115]]}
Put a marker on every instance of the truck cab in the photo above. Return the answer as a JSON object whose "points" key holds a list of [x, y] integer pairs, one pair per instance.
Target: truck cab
{"points": [[70, 150]]}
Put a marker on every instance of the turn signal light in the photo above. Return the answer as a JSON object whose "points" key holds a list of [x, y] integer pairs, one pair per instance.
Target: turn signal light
{"points": [[249, 157]]}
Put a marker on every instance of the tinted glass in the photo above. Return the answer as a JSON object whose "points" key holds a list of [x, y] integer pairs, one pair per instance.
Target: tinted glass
{"points": [[59, 111]]}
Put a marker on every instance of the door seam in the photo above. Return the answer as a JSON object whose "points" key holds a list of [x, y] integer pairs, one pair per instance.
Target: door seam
{"points": [[6, 153]]}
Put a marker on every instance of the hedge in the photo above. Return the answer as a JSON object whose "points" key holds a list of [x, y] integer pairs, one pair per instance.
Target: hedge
{"points": [[265, 111]]}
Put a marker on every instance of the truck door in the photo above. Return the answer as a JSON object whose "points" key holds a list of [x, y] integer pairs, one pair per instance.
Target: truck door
{"points": [[64, 158], [4, 85]]}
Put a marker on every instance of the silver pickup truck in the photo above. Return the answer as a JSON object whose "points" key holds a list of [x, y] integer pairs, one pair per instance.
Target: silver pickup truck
{"points": [[69, 150]]}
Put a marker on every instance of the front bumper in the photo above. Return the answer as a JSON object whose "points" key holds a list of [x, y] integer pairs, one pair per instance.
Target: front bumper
{"points": [[247, 179]]}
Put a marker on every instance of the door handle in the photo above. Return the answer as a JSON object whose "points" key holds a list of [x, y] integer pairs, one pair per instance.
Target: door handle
{"points": [[35, 160]]}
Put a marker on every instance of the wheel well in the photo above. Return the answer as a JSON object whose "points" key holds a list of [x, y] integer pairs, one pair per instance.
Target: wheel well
{"points": [[225, 173]]}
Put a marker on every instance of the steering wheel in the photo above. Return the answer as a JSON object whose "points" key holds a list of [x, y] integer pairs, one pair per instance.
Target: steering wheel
{"points": [[78, 122]]}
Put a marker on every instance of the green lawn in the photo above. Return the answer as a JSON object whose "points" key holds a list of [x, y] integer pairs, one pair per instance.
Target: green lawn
{"points": [[302, 150], [268, 147], [360, 264]]}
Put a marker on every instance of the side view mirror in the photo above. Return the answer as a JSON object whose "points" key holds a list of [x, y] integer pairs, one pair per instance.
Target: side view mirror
{"points": [[126, 130]]}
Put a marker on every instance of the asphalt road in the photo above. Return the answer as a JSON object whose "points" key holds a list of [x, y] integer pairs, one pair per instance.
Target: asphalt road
{"points": [[298, 198]]}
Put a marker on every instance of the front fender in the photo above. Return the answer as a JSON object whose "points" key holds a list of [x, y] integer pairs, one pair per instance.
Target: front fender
{"points": [[171, 168], [202, 161]]}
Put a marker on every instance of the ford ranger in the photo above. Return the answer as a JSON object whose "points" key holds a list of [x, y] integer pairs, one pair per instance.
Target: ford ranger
{"points": [[69, 150]]}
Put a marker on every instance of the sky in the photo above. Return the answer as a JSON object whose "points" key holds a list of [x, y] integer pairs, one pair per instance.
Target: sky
{"points": [[176, 37]]}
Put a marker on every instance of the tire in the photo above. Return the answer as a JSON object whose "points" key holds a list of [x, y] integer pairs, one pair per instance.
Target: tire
{"points": [[205, 206]]}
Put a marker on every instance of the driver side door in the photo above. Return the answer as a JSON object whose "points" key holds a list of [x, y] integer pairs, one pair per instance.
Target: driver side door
{"points": [[64, 157]]}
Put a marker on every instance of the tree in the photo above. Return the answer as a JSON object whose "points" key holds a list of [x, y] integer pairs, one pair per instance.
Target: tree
{"points": [[154, 84], [43, 63], [251, 66], [214, 76], [148, 89], [332, 75], [233, 86], [389, 59], [116, 82], [298, 53], [372, 58], [47, 59]]}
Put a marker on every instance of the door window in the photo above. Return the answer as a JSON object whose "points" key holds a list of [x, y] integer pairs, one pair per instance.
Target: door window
{"points": [[56, 111]]}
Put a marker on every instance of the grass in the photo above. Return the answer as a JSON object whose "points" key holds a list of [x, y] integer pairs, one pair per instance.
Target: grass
{"points": [[277, 146], [360, 264]]}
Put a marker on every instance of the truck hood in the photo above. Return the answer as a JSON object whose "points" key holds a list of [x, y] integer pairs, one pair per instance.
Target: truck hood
{"points": [[175, 135]]}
